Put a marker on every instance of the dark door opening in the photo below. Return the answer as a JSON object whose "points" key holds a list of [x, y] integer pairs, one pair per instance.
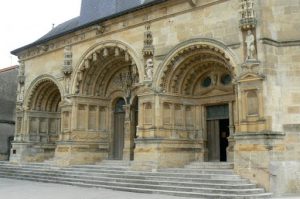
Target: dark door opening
{"points": [[224, 133], [134, 113], [9, 145], [118, 137], [217, 132]]}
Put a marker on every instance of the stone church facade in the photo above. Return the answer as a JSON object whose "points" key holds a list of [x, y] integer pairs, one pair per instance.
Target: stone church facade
{"points": [[166, 82]]}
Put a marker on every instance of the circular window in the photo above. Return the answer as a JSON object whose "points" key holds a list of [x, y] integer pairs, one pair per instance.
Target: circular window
{"points": [[226, 79], [206, 82]]}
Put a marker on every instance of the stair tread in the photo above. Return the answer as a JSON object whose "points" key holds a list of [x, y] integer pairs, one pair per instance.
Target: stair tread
{"points": [[198, 179]]}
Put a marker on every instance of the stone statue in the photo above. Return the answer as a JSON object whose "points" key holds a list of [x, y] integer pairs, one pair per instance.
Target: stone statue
{"points": [[250, 45], [149, 69]]}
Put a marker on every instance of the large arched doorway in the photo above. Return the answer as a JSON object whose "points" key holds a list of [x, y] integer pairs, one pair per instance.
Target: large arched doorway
{"points": [[196, 79], [44, 117], [118, 134], [108, 77]]}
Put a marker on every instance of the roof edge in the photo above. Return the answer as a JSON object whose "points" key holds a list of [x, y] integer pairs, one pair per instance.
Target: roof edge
{"points": [[8, 68], [18, 50]]}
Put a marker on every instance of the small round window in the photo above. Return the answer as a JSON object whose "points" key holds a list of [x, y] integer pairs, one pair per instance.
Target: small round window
{"points": [[226, 79], [206, 82]]}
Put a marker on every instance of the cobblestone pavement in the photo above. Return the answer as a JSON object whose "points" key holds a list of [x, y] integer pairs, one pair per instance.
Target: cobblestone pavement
{"points": [[18, 189]]}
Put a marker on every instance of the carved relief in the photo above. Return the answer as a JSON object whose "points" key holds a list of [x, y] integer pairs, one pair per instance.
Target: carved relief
{"points": [[100, 29], [248, 26], [250, 46], [106, 69], [148, 49], [67, 65], [88, 136], [149, 69], [248, 18]]}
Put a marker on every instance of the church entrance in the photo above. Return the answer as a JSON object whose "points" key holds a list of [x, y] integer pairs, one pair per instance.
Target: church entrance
{"points": [[217, 132], [118, 138]]}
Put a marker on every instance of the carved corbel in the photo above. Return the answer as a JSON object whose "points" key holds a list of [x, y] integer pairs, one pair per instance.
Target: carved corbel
{"points": [[100, 29]]}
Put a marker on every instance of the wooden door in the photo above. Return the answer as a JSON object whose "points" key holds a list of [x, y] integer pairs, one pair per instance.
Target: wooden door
{"points": [[213, 140], [119, 119]]}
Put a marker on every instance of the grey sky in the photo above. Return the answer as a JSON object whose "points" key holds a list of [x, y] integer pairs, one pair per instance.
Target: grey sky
{"points": [[24, 21]]}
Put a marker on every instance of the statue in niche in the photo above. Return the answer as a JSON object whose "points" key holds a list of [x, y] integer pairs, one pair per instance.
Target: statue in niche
{"points": [[149, 69], [250, 45]]}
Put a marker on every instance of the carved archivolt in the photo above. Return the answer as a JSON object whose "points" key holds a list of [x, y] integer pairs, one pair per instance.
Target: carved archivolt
{"points": [[99, 66], [184, 67], [43, 95]]}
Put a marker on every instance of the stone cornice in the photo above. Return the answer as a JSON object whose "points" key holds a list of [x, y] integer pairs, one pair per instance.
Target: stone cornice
{"points": [[275, 43], [259, 135]]}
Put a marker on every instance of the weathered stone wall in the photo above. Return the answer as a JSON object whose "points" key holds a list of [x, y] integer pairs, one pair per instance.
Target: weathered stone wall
{"points": [[8, 88]]}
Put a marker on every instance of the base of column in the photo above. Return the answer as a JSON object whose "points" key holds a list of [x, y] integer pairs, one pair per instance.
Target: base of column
{"points": [[74, 153], [26, 152], [154, 153], [230, 149], [253, 154]]}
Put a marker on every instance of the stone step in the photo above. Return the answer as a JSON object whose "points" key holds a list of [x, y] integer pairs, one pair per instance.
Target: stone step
{"points": [[197, 171], [114, 163], [185, 182], [210, 165], [231, 183], [150, 186], [131, 175], [96, 167], [139, 190]]}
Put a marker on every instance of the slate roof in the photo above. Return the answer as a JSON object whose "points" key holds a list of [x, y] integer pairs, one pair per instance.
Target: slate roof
{"points": [[92, 12]]}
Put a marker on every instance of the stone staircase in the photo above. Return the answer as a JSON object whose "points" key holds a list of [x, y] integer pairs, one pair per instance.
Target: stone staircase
{"points": [[196, 180]]}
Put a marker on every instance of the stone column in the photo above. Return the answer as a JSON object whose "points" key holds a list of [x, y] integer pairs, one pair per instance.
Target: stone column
{"points": [[127, 132], [231, 142]]}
